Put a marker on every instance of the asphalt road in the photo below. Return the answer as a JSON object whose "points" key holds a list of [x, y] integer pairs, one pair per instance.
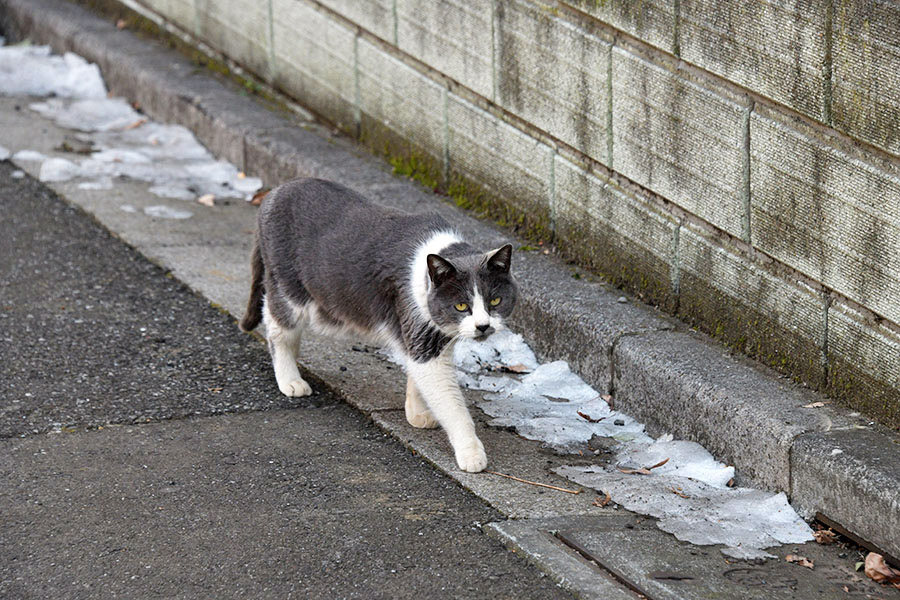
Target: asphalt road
{"points": [[145, 450]]}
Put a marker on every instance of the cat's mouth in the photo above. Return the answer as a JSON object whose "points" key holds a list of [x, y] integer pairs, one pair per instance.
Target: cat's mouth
{"points": [[482, 334]]}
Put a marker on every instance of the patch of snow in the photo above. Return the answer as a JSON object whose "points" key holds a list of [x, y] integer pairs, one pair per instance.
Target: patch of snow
{"points": [[121, 155], [94, 114], [743, 519], [685, 459], [4, 153], [29, 156], [17, 174], [128, 208], [502, 349], [57, 169], [128, 144], [688, 494], [248, 185], [32, 71], [104, 183]]}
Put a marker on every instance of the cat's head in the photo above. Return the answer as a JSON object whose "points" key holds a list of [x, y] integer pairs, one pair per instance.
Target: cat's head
{"points": [[472, 295]]}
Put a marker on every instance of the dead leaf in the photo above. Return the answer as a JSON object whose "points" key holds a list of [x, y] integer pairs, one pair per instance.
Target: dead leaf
{"points": [[640, 471], [121, 24], [241, 175], [258, 196], [659, 464], [814, 405], [878, 570], [207, 199], [135, 125], [799, 560], [609, 400], [601, 502], [825, 536], [588, 418]]}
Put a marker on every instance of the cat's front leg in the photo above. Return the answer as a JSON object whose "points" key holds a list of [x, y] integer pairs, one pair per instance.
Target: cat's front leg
{"points": [[436, 381], [417, 414]]}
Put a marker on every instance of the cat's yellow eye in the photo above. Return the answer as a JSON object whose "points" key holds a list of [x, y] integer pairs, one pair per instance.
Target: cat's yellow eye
{"points": [[461, 307], [495, 301]]}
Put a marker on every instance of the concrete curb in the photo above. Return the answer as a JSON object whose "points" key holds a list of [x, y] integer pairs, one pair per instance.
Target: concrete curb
{"points": [[674, 380]]}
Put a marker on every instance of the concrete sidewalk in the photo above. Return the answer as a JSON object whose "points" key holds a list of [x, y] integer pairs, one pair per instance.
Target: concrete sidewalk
{"points": [[662, 374], [143, 453]]}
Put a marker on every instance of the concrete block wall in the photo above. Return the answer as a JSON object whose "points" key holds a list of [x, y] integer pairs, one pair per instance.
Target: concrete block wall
{"points": [[736, 163]]}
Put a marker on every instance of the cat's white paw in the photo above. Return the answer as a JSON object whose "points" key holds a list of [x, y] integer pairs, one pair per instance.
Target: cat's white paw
{"points": [[295, 388], [423, 420], [471, 457]]}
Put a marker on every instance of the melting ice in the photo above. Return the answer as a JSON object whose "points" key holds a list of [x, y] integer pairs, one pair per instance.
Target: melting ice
{"points": [[689, 494], [124, 143]]}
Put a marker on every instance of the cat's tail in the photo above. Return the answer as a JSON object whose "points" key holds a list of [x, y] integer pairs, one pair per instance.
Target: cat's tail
{"points": [[253, 314]]}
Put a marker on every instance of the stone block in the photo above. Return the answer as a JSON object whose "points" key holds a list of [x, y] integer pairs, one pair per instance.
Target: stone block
{"points": [[314, 60], [279, 155], [563, 318], [680, 384], [615, 231], [553, 73], [749, 306], [866, 60], [375, 16], [239, 29], [402, 110], [653, 21], [502, 162], [852, 477], [178, 12], [777, 49], [454, 37], [828, 209], [864, 363], [678, 136]]}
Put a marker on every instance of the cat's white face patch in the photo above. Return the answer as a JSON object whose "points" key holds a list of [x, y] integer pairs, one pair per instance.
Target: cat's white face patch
{"points": [[480, 323], [419, 281]]}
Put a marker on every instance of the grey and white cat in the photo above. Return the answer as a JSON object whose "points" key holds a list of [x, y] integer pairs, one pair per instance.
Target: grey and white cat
{"points": [[328, 259]]}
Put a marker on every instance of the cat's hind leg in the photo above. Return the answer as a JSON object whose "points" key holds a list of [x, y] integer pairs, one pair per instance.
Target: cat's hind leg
{"points": [[417, 414], [283, 328]]}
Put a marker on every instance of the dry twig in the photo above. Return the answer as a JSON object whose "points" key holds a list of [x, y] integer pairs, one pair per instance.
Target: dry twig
{"points": [[552, 487], [678, 492]]}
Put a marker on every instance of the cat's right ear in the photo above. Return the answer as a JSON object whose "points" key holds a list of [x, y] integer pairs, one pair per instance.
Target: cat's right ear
{"points": [[439, 269]]}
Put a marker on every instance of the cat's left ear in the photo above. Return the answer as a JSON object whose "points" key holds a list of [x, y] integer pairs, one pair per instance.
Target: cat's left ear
{"points": [[439, 269], [500, 259]]}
